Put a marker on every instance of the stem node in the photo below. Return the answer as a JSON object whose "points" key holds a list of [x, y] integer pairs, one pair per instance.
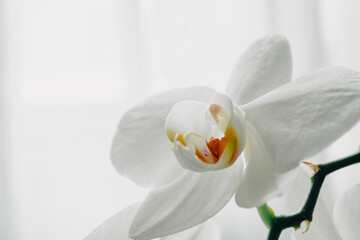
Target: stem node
{"points": [[277, 224]]}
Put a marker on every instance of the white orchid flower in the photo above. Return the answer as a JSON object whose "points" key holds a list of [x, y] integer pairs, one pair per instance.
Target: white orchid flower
{"points": [[344, 223], [117, 228], [188, 143]]}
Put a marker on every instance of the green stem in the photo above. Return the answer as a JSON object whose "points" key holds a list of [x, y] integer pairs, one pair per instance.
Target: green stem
{"points": [[279, 223], [267, 215]]}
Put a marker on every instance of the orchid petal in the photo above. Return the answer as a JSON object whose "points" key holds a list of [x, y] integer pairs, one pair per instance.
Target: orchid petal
{"points": [[141, 150], [116, 227], [187, 116], [305, 116], [208, 230], [260, 180], [186, 202], [265, 66], [322, 227], [347, 213]]}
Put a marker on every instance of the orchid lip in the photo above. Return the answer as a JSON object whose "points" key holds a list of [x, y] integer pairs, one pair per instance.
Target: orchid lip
{"points": [[208, 137], [213, 150]]}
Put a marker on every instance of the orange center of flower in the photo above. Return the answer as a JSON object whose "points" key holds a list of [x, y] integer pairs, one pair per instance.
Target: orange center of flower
{"points": [[216, 147]]}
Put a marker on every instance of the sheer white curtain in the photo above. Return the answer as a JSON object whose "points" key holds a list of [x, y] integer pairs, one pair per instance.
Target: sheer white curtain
{"points": [[4, 185], [73, 67]]}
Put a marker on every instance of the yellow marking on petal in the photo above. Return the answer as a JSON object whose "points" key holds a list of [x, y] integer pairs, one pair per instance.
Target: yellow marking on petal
{"points": [[179, 137], [232, 146], [230, 151], [170, 134]]}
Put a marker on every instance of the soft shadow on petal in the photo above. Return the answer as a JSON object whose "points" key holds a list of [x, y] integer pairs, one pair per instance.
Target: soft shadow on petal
{"points": [[141, 149], [265, 66], [190, 200], [301, 118], [206, 231], [347, 214], [260, 180], [187, 116], [293, 199], [116, 227]]}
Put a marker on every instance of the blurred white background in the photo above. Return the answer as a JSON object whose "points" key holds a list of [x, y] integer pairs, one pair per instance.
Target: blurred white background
{"points": [[69, 69]]}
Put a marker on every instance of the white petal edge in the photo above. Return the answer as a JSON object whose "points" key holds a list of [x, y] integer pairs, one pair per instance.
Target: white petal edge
{"points": [[260, 180], [347, 213], [209, 230], [265, 66], [188, 201], [116, 227], [301, 118], [141, 149]]}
